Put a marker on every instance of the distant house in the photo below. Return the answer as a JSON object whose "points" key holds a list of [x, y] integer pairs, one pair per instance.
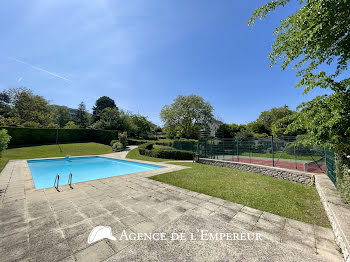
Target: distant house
{"points": [[214, 126]]}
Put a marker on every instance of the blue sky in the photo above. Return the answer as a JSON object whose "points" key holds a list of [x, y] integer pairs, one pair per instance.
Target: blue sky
{"points": [[145, 53]]}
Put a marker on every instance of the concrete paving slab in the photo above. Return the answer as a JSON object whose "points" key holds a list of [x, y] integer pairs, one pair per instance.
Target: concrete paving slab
{"points": [[51, 225], [95, 253]]}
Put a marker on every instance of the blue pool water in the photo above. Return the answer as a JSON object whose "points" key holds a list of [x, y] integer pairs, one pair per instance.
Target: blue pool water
{"points": [[82, 168]]}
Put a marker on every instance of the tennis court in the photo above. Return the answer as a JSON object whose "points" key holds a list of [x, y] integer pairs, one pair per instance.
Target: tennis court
{"points": [[282, 152], [282, 163]]}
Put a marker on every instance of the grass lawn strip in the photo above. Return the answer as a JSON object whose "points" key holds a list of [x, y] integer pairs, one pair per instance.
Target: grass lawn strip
{"points": [[277, 196]]}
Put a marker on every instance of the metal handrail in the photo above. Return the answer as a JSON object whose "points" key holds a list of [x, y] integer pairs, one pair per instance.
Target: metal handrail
{"points": [[70, 180], [57, 179]]}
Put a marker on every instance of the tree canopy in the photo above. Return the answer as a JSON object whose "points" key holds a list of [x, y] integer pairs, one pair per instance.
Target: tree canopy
{"points": [[61, 115], [21, 108], [102, 103], [316, 35], [82, 116], [186, 116]]}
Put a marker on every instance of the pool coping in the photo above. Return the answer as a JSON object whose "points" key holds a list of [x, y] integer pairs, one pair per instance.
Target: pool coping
{"points": [[166, 168]]}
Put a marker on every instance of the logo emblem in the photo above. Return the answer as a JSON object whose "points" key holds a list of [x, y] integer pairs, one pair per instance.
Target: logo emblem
{"points": [[100, 232]]}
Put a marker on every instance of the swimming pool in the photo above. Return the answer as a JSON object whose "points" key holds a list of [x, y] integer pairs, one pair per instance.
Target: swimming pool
{"points": [[82, 168]]}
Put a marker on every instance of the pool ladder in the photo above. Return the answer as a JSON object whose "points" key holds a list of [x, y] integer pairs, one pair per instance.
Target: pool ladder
{"points": [[70, 180], [57, 180]]}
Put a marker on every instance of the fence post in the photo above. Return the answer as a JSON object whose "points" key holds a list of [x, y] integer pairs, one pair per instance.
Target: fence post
{"points": [[237, 151], [223, 148], [233, 149], [295, 158], [273, 154], [250, 149]]}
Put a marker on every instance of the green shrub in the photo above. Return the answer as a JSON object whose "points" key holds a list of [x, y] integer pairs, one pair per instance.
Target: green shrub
{"points": [[343, 175], [117, 146], [39, 136], [71, 125], [140, 142], [113, 141], [123, 139], [31, 124], [148, 150], [4, 140]]}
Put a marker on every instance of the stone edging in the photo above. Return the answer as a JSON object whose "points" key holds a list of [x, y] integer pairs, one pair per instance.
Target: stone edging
{"points": [[286, 174], [338, 213]]}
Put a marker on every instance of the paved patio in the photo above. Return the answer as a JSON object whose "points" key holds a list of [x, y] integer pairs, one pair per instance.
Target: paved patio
{"points": [[46, 225]]}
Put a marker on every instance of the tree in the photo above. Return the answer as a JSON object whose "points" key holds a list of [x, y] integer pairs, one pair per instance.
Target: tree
{"points": [[32, 108], [71, 125], [265, 120], [326, 120], [4, 140], [143, 127], [243, 134], [61, 115], [82, 116], [224, 130], [102, 103], [109, 119], [316, 37], [5, 100], [228, 131], [279, 127], [186, 116], [257, 127], [317, 34]]}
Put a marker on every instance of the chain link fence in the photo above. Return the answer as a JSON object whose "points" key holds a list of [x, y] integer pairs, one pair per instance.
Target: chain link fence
{"points": [[281, 152]]}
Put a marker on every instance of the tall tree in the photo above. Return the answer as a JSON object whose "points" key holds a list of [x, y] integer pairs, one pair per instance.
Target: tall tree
{"points": [[82, 116], [317, 39], [186, 116], [100, 104], [61, 115], [267, 118], [143, 127], [317, 34], [229, 130], [32, 108], [109, 119]]}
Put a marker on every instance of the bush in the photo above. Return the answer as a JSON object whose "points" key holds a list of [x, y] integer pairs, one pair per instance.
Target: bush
{"points": [[123, 139], [148, 150], [140, 142], [343, 174], [113, 141], [117, 146], [4, 140], [38, 136], [31, 124], [71, 125]]}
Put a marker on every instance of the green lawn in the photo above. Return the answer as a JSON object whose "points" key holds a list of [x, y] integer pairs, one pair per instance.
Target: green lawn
{"points": [[134, 154], [281, 197], [76, 149]]}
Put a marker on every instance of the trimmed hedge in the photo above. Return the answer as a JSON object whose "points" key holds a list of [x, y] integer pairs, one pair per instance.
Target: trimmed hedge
{"points": [[140, 142], [37, 136], [148, 150]]}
